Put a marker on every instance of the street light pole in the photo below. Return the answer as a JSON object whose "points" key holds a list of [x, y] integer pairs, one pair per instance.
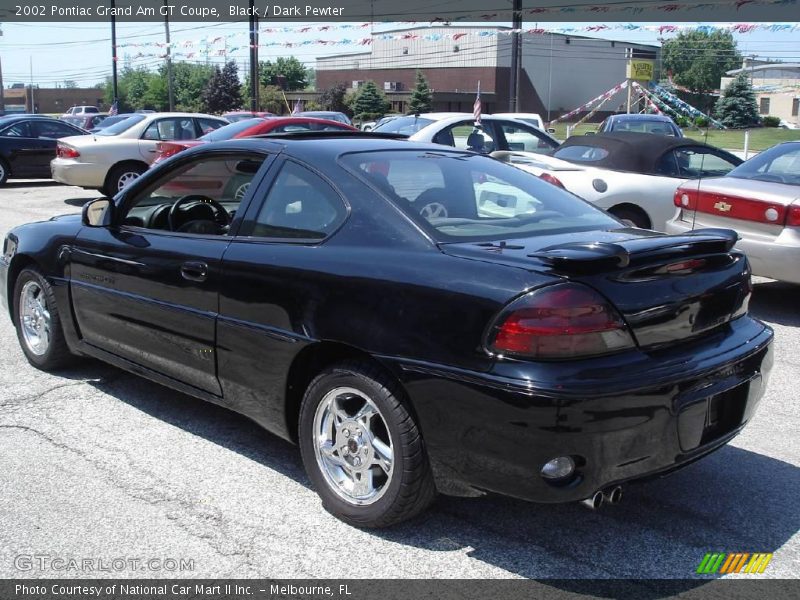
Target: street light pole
{"points": [[253, 58], [513, 84]]}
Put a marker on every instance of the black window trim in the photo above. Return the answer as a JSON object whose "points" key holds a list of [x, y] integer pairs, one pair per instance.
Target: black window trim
{"points": [[267, 183]]}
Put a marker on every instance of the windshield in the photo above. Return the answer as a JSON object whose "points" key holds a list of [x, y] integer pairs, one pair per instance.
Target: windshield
{"points": [[121, 126], [644, 126], [404, 125], [780, 164], [459, 196], [228, 132]]}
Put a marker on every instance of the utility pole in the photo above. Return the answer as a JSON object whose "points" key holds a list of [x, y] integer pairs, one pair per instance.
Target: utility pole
{"points": [[169, 62], [513, 83], [253, 58], [33, 100], [114, 55]]}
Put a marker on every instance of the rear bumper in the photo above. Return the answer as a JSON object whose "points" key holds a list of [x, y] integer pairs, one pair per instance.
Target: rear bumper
{"points": [[71, 172], [620, 419], [776, 257]]}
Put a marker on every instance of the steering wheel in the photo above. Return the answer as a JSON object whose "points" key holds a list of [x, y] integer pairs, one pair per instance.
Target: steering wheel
{"points": [[220, 216]]}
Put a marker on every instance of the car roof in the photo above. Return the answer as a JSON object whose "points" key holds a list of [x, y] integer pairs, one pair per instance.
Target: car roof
{"points": [[631, 151], [636, 117], [25, 116]]}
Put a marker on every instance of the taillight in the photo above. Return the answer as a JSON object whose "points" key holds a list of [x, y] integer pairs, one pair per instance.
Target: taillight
{"points": [[566, 320], [685, 199], [167, 149], [793, 215], [65, 151], [552, 179]]}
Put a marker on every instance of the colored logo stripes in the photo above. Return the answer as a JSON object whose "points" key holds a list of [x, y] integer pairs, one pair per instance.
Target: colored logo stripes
{"points": [[734, 562]]}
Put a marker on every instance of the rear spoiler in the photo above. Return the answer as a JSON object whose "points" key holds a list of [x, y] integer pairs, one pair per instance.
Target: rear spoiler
{"points": [[590, 256]]}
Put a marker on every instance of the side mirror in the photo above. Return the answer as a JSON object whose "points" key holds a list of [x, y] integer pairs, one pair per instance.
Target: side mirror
{"points": [[551, 130], [589, 133], [97, 213]]}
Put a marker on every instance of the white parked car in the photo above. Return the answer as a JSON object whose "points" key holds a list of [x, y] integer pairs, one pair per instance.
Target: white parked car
{"points": [[113, 157], [631, 175], [760, 200], [530, 118], [459, 130], [77, 111]]}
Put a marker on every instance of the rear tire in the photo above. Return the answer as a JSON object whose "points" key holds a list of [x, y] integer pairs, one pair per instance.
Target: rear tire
{"points": [[120, 176], [362, 449], [38, 323], [632, 217]]}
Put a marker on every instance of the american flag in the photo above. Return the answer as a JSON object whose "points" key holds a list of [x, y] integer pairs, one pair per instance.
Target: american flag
{"points": [[298, 107], [476, 108], [113, 110]]}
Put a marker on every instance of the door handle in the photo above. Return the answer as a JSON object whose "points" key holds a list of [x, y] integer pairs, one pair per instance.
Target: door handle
{"points": [[194, 271]]}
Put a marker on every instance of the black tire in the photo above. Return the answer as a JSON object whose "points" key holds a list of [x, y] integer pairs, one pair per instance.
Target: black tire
{"points": [[630, 215], [5, 172], [57, 353], [410, 489], [111, 187]]}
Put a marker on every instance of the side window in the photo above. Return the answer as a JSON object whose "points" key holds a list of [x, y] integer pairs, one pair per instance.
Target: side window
{"points": [[524, 139], [48, 129], [299, 205], [465, 136], [170, 129], [290, 128], [208, 125], [200, 197], [97, 120], [19, 129], [700, 162]]}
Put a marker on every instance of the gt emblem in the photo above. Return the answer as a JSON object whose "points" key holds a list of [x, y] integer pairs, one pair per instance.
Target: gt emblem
{"points": [[722, 206]]}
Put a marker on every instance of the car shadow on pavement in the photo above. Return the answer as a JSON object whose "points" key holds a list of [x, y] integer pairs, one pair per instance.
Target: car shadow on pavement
{"points": [[25, 183], [776, 302], [733, 500]]}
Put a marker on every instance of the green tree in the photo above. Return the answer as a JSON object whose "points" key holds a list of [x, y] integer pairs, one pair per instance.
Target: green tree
{"points": [[333, 98], [286, 72], [698, 60], [270, 99], [737, 106], [69, 83], [421, 96], [223, 91], [369, 103], [189, 81]]}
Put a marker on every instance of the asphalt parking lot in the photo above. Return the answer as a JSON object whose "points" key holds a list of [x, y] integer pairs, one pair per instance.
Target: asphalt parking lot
{"points": [[96, 463]]}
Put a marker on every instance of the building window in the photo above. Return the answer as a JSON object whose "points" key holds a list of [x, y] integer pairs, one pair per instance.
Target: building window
{"points": [[795, 106], [763, 107], [405, 50]]}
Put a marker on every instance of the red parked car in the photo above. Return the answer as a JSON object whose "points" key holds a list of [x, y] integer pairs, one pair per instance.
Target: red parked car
{"points": [[250, 127]]}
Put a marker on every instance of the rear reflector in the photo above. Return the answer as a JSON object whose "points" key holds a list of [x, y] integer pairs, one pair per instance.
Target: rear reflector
{"points": [[733, 207], [561, 321], [65, 151]]}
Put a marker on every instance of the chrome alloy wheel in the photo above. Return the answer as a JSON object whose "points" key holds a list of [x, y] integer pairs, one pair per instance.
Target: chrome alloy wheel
{"points": [[34, 318], [353, 446]]}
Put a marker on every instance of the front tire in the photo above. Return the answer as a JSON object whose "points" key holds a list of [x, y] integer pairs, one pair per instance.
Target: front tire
{"points": [[362, 449], [5, 172], [38, 323]]}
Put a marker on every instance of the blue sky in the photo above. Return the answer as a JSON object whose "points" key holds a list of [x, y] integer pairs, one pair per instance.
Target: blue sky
{"points": [[82, 51]]}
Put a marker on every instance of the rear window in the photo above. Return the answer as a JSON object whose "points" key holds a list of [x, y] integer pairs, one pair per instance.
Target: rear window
{"points": [[642, 126], [780, 164], [228, 132], [404, 125], [123, 125], [581, 153], [466, 197]]}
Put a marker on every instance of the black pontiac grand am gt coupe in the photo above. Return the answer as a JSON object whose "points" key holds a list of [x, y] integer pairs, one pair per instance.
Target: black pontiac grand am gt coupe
{"points": [[416, 318]]}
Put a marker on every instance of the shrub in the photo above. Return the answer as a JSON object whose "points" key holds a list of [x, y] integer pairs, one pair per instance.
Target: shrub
{"points": [[701, 122], [770, 121], [682, 121]]}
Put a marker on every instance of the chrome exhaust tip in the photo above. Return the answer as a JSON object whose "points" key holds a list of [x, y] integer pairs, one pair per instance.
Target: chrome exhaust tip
{"points": [[613, 495], [594, 501]]}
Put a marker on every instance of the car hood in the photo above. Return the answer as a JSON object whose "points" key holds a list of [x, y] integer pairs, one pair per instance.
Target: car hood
{"points": [[668, 288]]}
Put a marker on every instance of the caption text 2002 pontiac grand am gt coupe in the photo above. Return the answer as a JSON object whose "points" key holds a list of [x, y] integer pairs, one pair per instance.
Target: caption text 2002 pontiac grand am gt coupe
{"points": [[416, 318]]}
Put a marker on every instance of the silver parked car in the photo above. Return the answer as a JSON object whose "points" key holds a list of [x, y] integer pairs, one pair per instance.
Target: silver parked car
{"points": [[760, 199]]}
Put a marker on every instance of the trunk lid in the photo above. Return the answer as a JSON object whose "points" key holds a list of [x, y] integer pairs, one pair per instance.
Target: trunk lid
{"points": [[668, 288]]}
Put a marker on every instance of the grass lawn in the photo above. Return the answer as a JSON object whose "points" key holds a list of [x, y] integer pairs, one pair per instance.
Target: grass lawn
{"points": [[760, 139]]}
